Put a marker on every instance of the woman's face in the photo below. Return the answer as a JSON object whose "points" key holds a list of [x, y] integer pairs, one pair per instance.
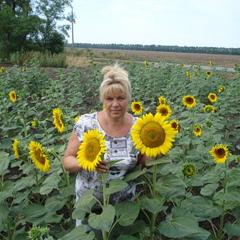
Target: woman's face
{"points": [[115, 104]]}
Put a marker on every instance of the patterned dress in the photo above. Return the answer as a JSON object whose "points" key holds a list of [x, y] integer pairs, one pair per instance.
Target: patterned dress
{"points": [[117, 148]]}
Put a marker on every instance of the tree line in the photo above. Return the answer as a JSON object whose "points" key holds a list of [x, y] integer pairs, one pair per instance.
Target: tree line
{"points": [[162, 48], [32, 25]]}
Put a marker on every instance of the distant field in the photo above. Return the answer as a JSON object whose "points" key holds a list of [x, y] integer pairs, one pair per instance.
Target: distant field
{"points": [[185, 58]]}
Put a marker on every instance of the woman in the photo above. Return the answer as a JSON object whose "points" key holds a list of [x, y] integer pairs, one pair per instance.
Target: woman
{"points": [[116, 123]]}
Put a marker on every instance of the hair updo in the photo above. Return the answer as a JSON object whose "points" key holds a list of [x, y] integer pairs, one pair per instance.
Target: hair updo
{"points": [[115, 79]]}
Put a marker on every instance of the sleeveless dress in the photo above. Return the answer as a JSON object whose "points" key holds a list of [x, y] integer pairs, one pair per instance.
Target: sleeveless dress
{"points": [[117, 148]]}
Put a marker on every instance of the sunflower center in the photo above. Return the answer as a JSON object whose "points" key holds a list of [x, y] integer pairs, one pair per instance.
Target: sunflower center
{"points": [[189, 100], [137, 107], [164, 112], [152, 135], [220, 153], [39, 156], [174, 125], [92, 149]]}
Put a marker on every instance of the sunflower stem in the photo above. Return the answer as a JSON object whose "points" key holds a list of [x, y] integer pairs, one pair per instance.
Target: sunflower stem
{"points": [[153, 215], [223, 212], [105, 200]]}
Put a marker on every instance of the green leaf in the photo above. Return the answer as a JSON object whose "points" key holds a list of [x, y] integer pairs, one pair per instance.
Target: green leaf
{"points": [[171, 186], [103, 221], [78, 233], [202, 207], [126, 237], [84, 205], [127, 212], [115, 185], [162, 160], [209, 189], [232, 229], [135, 174], [35, 213], [4, 163], [55, 203], [50, 183], [180, 223], [153, 205]]}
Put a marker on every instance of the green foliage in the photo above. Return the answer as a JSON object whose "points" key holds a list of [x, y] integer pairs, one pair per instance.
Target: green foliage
{"points": [[170, 205], [32, 25]]}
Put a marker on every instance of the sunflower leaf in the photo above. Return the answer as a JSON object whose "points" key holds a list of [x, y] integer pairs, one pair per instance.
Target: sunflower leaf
{"points": [[127, 212], [115, 185], [180, 223], [79, 233], [135, 174], [104, 220]]}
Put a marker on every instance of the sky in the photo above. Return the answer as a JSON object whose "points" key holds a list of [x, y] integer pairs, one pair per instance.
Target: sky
{"points": [[202, 23]]}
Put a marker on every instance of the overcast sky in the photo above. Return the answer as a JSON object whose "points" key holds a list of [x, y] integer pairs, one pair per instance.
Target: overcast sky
{"points": [[207, 23]]}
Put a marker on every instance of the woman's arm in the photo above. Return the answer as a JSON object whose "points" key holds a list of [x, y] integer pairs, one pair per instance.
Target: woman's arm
{"points": [[70, 161]]}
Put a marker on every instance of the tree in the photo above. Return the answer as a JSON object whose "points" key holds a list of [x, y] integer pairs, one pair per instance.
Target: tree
{"points": [[31, 25]]}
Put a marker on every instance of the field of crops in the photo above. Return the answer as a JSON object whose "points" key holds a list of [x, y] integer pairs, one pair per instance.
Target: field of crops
{"points": [[192, 193]]}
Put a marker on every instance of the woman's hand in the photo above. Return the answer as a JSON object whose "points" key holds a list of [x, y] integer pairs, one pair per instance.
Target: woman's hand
{"points": [[102, 167]]}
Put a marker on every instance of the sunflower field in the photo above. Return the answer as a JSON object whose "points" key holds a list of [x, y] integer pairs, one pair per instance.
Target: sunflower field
{"points": [[191, 193]]}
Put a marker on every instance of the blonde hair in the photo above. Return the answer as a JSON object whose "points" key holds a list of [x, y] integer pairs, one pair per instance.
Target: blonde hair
{"points": [[115, 80]]}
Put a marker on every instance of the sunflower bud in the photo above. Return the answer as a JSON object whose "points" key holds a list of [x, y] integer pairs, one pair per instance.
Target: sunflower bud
{"points": [[209, 123], [189, 169]]}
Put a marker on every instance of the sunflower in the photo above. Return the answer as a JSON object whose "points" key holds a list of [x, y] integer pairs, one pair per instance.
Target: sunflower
{"points": [[16, 148], [209, 73], [164, 110], [189, 74], [189, 101], [13, 96], [175, 126], [137, 107], [153, 135], [209, 108], [220, 153], [58, 120], [77, 118], [189, 169], [2, 69], [221, 89], [162, 100], [197, 130], [91, 150], [211, 63], [34, 123], [146, 63], [39, 156], [212, 97]]}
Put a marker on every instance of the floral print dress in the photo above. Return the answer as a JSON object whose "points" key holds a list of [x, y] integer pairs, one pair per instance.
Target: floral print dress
{"points": [[117, 149]]}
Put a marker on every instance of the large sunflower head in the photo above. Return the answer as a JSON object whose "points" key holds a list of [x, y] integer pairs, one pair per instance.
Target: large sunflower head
{"points": [[220, 153], [209, 108], [153, 135], [197, 130], [39, 156], [58, 120], [16, 148], [13, 96], [212, 97], [164, 110], [175, 125], [189, 101], [91, 150], [189, 169], [162, 100], [137, 107]]}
